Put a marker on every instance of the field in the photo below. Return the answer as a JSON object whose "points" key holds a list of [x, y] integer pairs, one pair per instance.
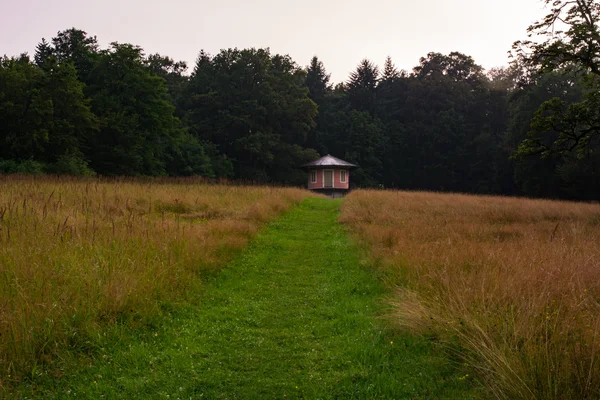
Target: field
{"points": [[79, 255], [293, 316], [107, 281], [512, 284]]}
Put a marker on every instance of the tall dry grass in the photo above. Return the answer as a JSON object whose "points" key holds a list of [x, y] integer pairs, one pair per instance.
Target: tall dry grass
{"points": [[78, 254], [516, 282]]}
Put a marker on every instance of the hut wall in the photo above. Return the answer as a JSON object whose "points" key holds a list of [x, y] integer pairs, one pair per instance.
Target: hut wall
{"points": [[337, 182], [319, 183], [337, 178]]}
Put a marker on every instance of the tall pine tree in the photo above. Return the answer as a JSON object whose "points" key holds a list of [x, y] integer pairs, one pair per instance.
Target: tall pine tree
{"points": [[362, 87]]}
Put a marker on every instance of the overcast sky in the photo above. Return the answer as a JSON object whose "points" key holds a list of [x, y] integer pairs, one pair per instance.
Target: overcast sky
{"points": [[339, 32]]}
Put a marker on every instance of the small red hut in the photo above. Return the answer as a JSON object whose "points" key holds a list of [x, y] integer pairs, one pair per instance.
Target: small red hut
{"points": [[329, 175]]}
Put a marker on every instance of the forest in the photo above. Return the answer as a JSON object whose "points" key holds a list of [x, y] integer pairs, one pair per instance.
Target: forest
{"points": [[527, 129]]}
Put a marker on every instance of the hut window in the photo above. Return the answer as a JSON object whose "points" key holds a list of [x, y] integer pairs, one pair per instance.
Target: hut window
{"points": [[313, 176], [343, 176]]}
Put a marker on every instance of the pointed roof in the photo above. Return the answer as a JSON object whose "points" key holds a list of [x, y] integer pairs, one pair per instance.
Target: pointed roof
{"points": [[329, 161]]}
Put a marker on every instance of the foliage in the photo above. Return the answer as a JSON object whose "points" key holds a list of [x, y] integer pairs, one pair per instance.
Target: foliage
{"points": [[21, 167], [364, 142], [254, 115], [561, 128], [362, 86], [43, 112], [186, 157], [578, 46], [317, 80], [71, 164], [24, 109], [173, 72], [456, 67], [254, 107], [136, 116], [74, 45]]}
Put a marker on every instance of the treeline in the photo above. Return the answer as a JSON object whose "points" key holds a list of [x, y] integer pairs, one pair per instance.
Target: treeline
{"points": [[248, 114]]}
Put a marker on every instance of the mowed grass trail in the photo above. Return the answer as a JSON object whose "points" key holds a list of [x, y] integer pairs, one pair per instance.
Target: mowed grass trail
{"points": [[295, 316]]}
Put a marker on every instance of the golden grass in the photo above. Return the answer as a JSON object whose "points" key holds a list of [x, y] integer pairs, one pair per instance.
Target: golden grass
{"points": [[78, 254], [515, 281]]}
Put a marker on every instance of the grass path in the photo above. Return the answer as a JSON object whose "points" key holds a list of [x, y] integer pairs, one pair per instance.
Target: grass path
{"points": [[293, 317]]}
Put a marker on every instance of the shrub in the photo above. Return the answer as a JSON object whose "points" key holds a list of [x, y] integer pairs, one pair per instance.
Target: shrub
{"points": [[21, 167]]}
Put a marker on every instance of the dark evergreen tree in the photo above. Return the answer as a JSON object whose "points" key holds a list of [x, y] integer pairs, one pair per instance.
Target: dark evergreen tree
{"points": [[319, 89], [42, 52], [390, 90], [317, 80], [364, 143], [390, 73], [362, 87]]}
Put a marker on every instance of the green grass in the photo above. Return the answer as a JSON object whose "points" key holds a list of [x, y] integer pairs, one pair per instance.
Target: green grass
{"points": [[295, 316]]}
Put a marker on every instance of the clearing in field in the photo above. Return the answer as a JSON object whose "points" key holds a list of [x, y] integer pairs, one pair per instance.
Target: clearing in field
{"points": [[295, 316]]}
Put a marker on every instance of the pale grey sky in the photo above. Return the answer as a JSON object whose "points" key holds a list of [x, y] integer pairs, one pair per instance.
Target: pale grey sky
{"points": [[339, 32]]}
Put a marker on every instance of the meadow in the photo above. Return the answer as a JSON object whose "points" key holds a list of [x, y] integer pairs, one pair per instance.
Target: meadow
{"points": [[78, 255], [509, 284], [294, 316]]}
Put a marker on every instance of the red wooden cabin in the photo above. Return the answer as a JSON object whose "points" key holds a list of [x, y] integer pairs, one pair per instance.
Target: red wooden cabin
{"points": [[329, 175]]}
